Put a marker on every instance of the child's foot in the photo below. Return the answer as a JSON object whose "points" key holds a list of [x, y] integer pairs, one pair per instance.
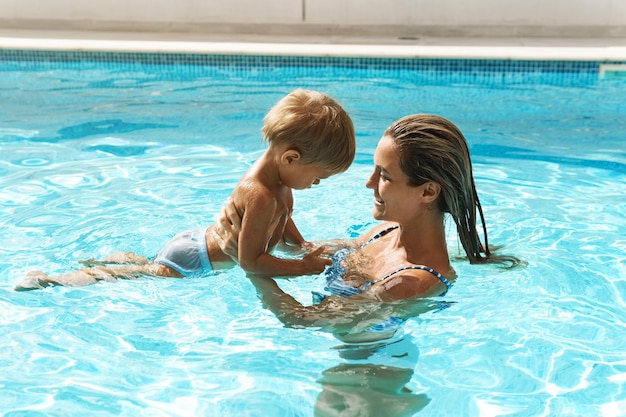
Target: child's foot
{"points": [[34, 280], [117, 258]]}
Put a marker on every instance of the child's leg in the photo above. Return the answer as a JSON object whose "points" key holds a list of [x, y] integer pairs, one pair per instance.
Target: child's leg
{"points": [[37, 279], [118, 258]]}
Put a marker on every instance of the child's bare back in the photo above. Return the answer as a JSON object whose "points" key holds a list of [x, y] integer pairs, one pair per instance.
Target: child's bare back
{"points": [[253, 199]]}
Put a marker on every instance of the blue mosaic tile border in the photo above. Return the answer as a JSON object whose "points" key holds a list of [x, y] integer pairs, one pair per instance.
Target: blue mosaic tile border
{"points": [[453, 69], [443, 64]]}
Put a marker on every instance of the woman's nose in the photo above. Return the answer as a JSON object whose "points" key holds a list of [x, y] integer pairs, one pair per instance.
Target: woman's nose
{"points": [[371, 182]]}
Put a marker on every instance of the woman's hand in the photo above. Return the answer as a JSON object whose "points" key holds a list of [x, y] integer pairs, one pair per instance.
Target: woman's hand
{"points": [[227, 234], [346, 317]]}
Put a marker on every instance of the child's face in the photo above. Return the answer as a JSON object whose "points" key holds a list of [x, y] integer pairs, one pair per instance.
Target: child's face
{"points": [[301, 176]]}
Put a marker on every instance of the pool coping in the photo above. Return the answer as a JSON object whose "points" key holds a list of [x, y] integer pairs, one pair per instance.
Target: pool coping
{"points": [[610, 49]]}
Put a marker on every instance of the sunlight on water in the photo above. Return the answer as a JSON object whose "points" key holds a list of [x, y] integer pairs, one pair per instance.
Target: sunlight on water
{"points": [[121, 158]]}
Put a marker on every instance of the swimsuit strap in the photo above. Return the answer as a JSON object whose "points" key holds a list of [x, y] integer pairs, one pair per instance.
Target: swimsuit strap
{"points": [[380, 234], [443, 279]]}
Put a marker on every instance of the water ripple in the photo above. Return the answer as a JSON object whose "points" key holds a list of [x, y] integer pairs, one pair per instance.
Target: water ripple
{"points": [[122, 157]]}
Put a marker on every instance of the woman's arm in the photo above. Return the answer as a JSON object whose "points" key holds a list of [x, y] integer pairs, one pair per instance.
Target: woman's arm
{"points": [[336, 314]]}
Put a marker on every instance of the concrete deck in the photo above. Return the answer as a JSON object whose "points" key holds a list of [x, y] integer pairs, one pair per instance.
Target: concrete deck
{"points": [[594, 49]]}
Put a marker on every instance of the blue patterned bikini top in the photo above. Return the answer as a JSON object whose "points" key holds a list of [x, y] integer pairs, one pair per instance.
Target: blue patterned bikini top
{"points": [[335, 273], [335, 284]]}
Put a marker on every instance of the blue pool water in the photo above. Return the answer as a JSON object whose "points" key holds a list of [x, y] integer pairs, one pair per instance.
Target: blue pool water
{"points": [[119, 154]]}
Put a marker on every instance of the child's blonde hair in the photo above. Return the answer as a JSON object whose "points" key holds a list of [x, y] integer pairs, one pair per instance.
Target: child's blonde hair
{"points": [[315, 125]]}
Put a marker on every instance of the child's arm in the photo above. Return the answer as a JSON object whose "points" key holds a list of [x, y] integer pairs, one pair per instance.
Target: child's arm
{"points": [[292, 236], [230, 220], [294, 243], [256, 231]]}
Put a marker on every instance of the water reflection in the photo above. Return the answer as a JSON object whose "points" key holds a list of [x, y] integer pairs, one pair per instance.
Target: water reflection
{"points": [[371, 382]]}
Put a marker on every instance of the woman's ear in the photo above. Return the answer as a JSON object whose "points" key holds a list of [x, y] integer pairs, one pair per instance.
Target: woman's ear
{"points": [[290, 156], [431, 191]]}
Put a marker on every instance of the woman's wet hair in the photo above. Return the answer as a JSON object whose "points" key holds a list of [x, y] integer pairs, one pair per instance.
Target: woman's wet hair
{"points": [[432, 148]]}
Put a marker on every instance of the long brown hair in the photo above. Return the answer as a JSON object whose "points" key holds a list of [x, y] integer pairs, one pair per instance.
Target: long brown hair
{"points": [[432, 148]]}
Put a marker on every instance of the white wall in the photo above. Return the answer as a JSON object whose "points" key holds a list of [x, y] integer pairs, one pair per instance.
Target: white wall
{"points": [[505, 17], [155, 10], [469, 12]]}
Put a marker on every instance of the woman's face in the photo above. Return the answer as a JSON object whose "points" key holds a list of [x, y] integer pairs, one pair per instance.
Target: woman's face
{"points": [[394, 198]]}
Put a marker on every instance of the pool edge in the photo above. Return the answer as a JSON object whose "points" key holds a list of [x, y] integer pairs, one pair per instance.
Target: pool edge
{"points": [[503, 50]]}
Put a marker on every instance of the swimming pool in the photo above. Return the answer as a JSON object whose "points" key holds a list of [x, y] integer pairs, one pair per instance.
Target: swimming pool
{"points": [[103, 152]]}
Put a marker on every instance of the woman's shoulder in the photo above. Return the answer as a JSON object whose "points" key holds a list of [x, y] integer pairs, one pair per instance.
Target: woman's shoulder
{"points": [[412, 282], [377, 231]]}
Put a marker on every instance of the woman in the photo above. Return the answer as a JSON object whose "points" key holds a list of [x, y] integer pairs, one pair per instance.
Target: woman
{"points": [[422, 170]]}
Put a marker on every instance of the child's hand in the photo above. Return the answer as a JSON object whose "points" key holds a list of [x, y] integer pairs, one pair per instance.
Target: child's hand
{"points": [[316, 262]]}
